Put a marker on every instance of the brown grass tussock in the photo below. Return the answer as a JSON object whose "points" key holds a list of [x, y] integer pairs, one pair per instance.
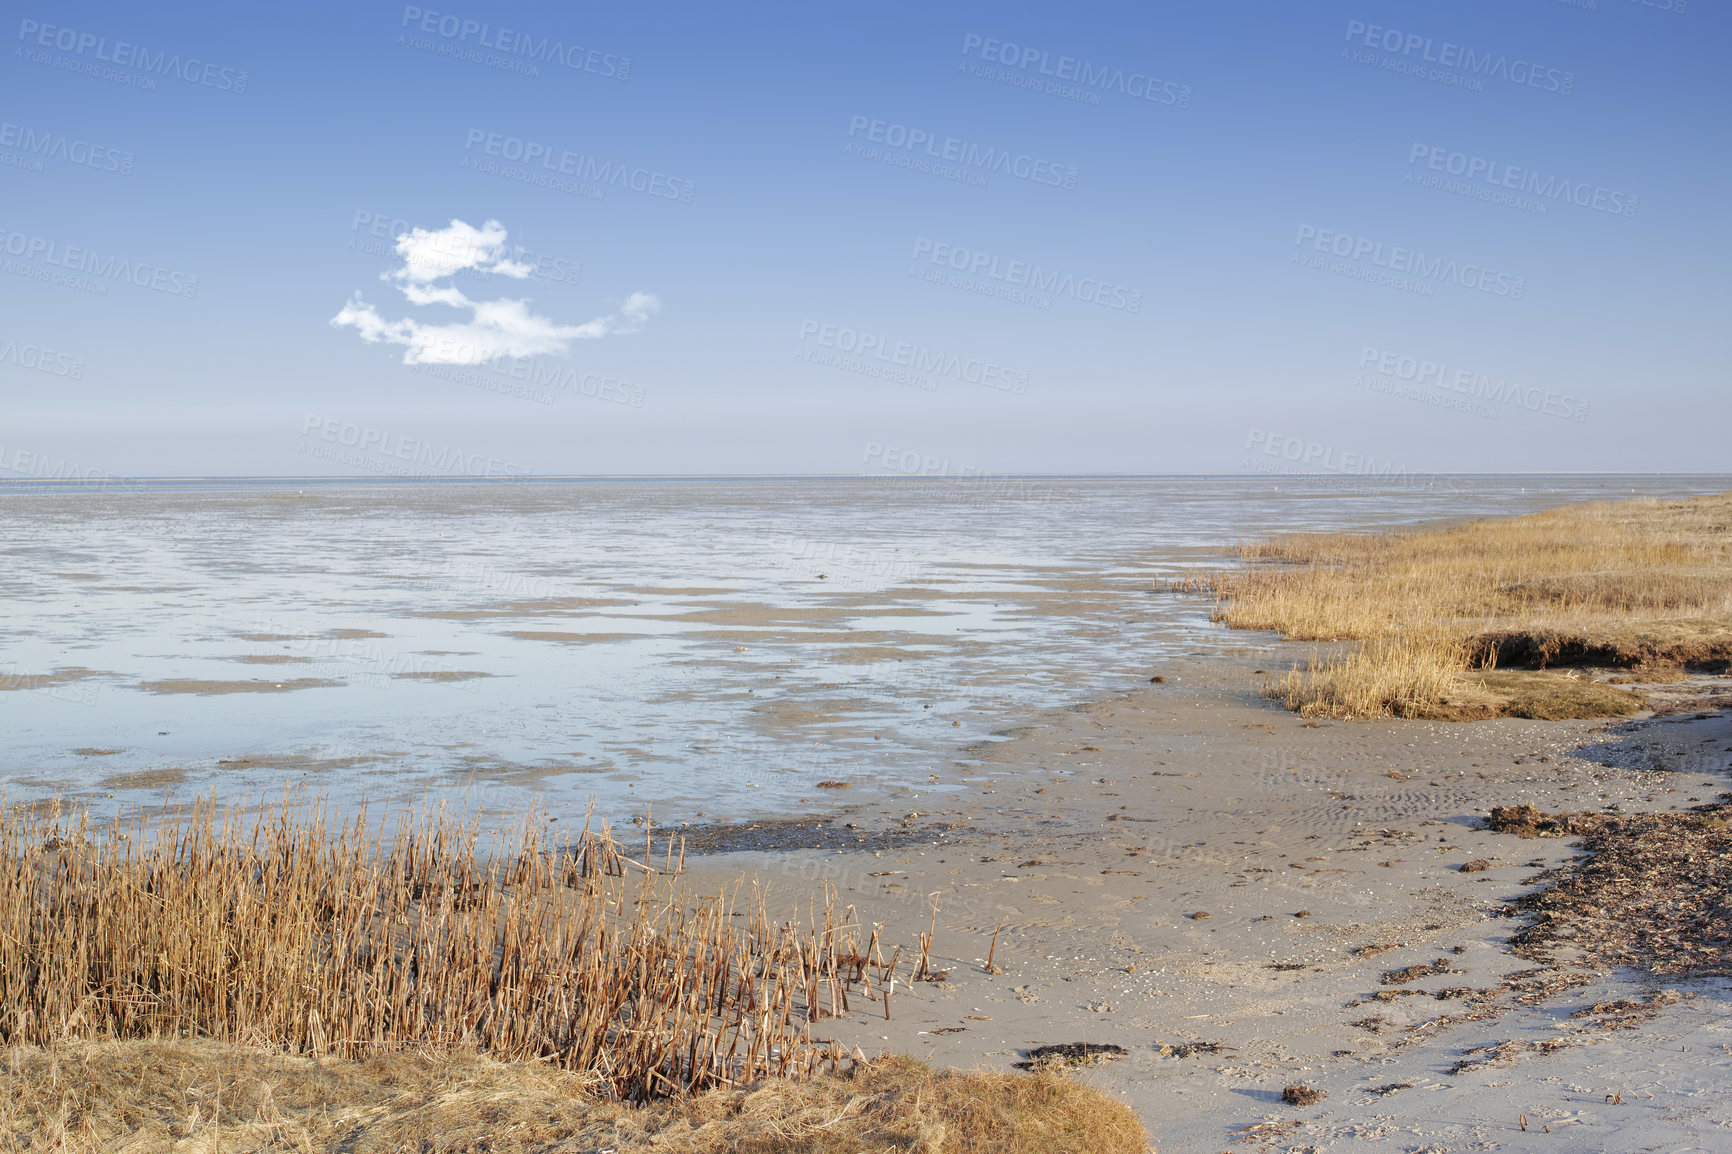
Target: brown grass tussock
{"points": [[1437, 614]]}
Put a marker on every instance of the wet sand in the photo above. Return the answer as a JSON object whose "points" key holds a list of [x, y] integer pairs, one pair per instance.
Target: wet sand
{"points": [[1243, 900], [714, 646]]}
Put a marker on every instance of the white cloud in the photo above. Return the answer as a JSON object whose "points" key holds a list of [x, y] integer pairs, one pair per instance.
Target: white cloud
{"points": [[497, 328], [429, 255]]}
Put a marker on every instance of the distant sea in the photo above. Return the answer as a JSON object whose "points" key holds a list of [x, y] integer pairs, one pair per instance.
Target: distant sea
{"points": [[713, 646]]}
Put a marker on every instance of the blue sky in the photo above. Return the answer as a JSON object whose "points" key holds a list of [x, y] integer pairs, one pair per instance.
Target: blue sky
{"points": [[1144, 238]]}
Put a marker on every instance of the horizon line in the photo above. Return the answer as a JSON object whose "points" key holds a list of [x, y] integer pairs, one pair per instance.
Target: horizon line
{"points": [[885, 476]]}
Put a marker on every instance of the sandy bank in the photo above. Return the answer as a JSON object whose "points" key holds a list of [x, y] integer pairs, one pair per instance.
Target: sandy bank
{"points": [[1243, 899]]}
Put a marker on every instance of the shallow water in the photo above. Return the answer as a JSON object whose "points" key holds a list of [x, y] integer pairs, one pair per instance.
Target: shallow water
{"points": [[713, 647]]}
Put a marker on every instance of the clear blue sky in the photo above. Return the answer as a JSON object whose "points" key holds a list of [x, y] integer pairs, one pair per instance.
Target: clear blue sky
{"points": [[1248, 242]]}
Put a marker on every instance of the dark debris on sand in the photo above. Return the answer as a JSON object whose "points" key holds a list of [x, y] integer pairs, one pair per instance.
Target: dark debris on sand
{"points": [[1653, 893], [798, 833], [1414, 973], [1070, 1054], [1528, 821], [1505, 1053]]}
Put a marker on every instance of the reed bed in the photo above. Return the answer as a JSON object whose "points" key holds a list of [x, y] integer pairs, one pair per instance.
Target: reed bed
{"points": [[1640, 583], [289, 929]]}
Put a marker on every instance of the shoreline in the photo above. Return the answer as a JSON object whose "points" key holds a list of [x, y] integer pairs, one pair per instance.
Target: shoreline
{"points": [[1191, 872], [745, 646], [1248, 929], [1255, 924]]}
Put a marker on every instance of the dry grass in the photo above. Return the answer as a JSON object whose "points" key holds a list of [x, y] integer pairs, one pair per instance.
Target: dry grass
{"points": [[1643, 583], [147, 1097], [281, 931], [1400, 675], [209, 980]]}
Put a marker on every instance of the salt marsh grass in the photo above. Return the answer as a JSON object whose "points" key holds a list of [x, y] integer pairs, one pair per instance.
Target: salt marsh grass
{"points": [[165, 1097], [1642, 583]]}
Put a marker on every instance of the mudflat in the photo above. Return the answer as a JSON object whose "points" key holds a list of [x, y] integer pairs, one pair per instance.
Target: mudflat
{"points": [[1244, 902]]}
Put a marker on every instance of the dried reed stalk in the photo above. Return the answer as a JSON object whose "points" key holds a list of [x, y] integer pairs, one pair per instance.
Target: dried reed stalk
{"points": [[292, 929]]}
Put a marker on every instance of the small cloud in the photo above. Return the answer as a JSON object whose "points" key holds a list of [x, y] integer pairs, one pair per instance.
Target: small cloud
{"points": [[429, 255], [497, 328]]}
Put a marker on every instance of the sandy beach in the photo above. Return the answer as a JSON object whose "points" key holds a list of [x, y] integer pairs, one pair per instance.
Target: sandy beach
{"points": [[1230, 894], [1090, 826]]}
